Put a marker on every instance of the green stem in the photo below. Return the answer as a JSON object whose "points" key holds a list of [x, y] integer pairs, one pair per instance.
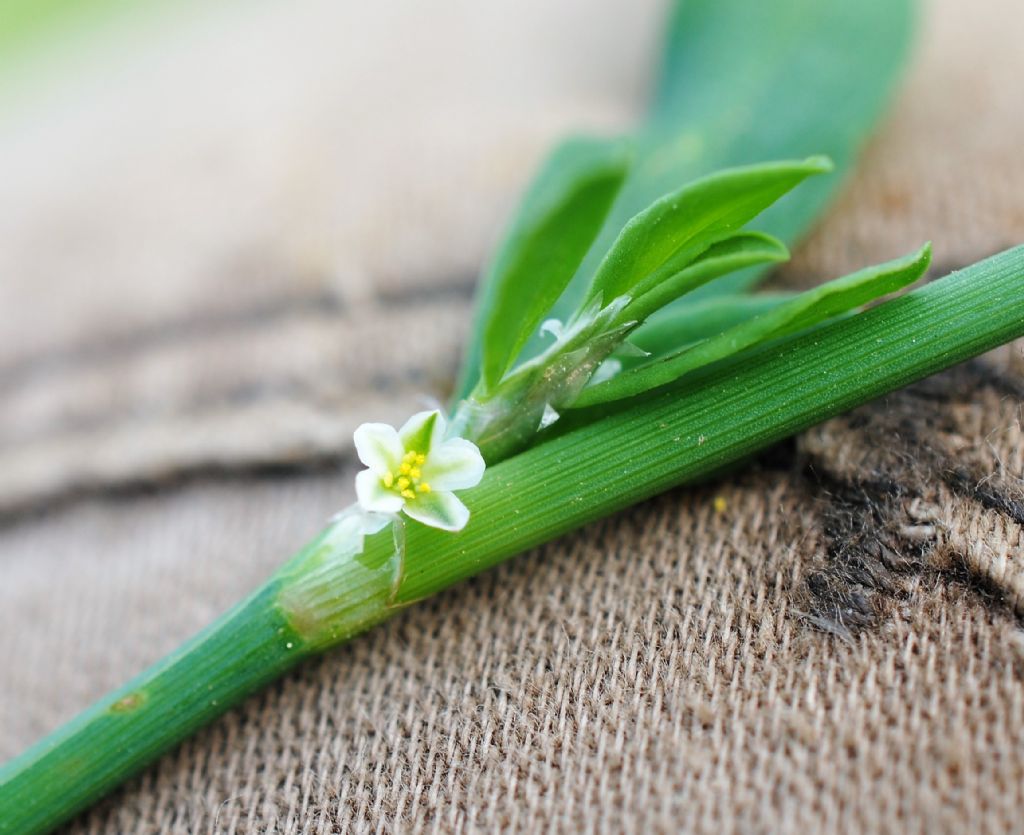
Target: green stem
{"points": [[248, 647], [324, 595], [505, 421]]}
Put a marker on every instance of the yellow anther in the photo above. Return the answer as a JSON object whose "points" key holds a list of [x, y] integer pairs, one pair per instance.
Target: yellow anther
{"points": [[406, 481]]}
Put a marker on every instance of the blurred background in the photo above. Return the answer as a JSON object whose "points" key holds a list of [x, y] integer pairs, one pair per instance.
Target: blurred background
{"points": [[227, 229], [231, 231]]}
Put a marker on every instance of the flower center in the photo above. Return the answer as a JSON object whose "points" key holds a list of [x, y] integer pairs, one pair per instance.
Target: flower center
{"points": [[406, 482]]}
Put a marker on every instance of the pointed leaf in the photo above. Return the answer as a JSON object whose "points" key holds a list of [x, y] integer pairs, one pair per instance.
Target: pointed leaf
{"points": [[679, 327], [734, 253], [807, 309], [669, 234]]}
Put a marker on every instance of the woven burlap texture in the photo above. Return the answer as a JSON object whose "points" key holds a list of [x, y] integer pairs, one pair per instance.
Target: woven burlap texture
{"points": [[828, 640]]}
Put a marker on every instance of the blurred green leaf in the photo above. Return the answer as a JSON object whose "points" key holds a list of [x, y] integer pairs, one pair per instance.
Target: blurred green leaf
{"points": [[558, 219], [25, 24], [804, 311], [745, 82]]}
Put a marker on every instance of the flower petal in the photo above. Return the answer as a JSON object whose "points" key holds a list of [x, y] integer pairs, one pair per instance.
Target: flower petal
{"points": [[373, 496], [454, 465], [439, 510], [376, 522], [346, 532], [552, 326], [378, 447], [422, 431]]}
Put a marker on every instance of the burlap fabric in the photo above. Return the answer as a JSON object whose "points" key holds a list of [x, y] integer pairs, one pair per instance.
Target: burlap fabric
{"points": [[194, 319]]}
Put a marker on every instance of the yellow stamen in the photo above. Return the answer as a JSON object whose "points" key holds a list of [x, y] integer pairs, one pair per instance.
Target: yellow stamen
{"points": [[406, 480]]}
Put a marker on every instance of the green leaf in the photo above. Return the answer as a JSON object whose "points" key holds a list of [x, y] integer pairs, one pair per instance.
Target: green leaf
{"points": [[745, 82], [669, 330], [807, 309], [559, 217], [734, 253], [669, 234]]}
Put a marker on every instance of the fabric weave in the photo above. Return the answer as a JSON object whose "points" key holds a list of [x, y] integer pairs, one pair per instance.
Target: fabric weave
{"points": [[828, 640]]}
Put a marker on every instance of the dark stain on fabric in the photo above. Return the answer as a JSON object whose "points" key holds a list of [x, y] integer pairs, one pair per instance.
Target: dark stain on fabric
{"points": [[865, 474]]}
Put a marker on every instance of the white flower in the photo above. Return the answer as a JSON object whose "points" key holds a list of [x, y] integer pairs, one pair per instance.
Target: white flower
{"points": [[350, 527], [414, 469]]}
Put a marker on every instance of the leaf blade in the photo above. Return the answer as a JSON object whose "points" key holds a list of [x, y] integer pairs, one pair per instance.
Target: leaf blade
{"points": [[743, 249], [557, 221], [676, 228], [660, 335], [810, 308]]}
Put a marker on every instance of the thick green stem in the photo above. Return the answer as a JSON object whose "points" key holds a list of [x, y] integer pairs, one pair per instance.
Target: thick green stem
{"points": [[505, 421], [331, 591], [248, 647], [325, 594]]}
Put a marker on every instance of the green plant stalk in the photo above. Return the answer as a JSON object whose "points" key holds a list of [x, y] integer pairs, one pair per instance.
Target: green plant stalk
{"points": [[132, 726], [671, 438]]}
